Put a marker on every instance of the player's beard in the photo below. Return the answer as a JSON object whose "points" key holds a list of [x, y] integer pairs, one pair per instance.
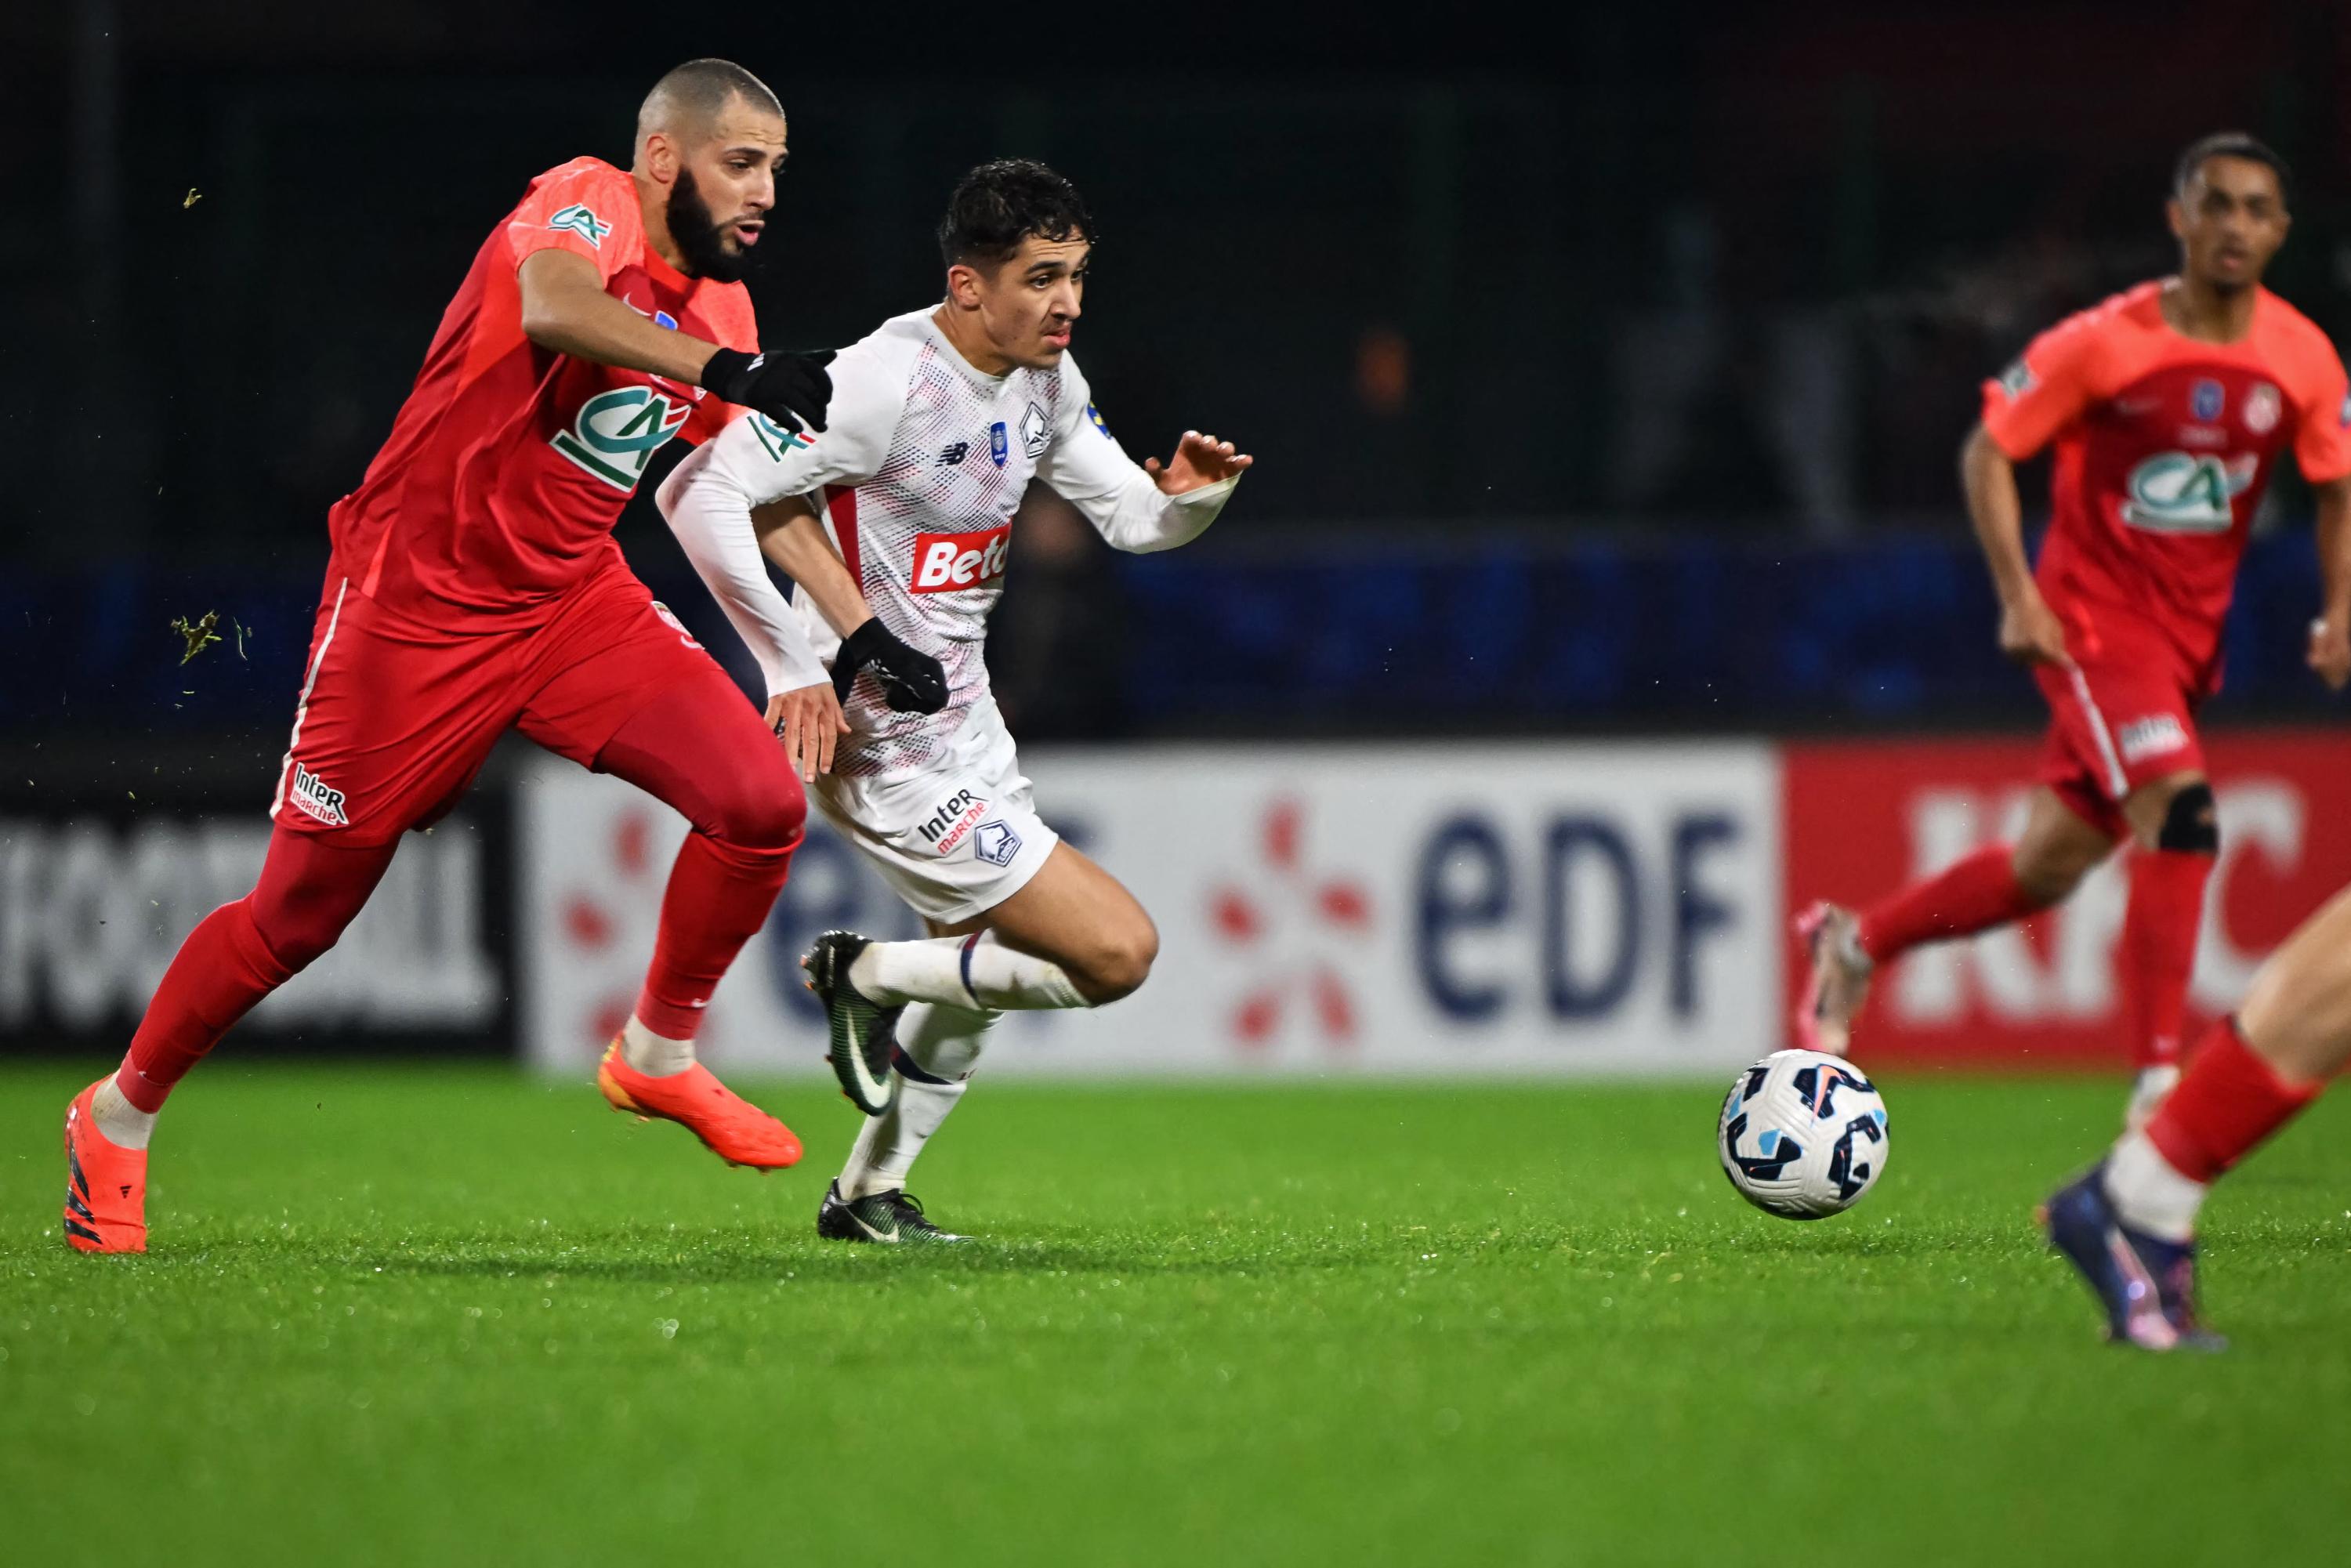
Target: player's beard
{"points": [[701, 239]]}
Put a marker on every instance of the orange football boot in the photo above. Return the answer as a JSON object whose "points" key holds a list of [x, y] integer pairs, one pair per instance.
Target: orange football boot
{"points": [[736, 1130], [106, 1186]]}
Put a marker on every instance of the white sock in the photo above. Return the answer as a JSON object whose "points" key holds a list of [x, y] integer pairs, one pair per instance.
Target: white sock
{"points": [[964, 972], [2148, 1194], [945, 1043], [120, 1123], [654, 1055]]}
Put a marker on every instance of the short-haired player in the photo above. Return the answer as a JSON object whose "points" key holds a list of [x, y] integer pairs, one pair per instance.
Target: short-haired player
{"points": [[2166, 407], [901, 510]]}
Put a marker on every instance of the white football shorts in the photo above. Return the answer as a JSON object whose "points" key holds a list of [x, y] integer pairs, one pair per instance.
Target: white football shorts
{"points": [[956, 838]]}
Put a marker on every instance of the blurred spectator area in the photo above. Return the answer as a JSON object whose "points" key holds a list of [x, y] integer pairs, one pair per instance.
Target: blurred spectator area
{"points": [[1683, 267]]}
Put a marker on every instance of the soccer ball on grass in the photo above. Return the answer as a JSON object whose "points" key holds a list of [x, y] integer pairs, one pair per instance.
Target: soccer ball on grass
{"points": [[1802, 1134]]}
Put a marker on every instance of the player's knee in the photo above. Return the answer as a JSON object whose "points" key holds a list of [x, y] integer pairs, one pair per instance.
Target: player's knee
{"points": [[2191, 822], [1118, 962], [296, 927], [765, 810]]}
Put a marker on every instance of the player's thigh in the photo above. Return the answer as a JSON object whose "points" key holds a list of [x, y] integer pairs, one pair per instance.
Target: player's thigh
{"points": [[2066, 834], [1079, 916], [646, 702], [393, 722]]}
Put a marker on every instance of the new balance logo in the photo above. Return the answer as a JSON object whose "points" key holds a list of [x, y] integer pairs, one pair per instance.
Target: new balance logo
{"points": [[317, 797], [955, 452]]}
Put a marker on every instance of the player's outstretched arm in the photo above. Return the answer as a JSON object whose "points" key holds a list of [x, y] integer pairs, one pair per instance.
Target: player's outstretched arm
{"points": [[1141, 509], [794, 540], [2330, 635], [566, 311], [2029, 631]]}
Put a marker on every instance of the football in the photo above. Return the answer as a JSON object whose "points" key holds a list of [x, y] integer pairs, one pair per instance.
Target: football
{"points": [[1802, 1134]]}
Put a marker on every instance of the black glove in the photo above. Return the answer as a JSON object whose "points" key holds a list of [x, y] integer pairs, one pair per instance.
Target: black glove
{"points": [[790, 389], [912, 682]]}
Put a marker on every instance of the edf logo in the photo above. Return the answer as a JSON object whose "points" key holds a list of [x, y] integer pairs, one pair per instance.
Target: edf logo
{"points": [[1605, 906]]}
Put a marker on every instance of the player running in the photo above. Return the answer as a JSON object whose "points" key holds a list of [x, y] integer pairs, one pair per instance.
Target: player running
{"points": [[939, 421], [2166, 406], [2128, 1224], [474, 586]]}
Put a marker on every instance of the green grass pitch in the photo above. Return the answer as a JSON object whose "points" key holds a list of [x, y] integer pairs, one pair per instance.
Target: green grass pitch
{"points": [[461, 1316]]}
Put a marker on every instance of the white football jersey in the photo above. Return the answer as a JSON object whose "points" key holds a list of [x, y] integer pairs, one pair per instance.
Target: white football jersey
{"points": [[923, 461]]}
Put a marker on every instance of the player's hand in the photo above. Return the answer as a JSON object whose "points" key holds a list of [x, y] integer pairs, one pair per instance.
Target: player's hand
{"points": [[2030, 634], [912, 681], [790, 389], [2330, 651], [809, 723], [1200, 460]]}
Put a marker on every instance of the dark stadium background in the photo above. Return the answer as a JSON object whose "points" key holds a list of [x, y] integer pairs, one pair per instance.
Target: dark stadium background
{"points": [[1606, 367]]}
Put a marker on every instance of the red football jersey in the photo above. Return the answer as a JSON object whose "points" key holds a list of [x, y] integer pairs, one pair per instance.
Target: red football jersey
{"points": [[2164, 445], [509, 463]]}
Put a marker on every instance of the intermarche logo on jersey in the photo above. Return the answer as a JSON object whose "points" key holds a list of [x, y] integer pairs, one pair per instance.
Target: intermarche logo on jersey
{"points": [[958, 563]]}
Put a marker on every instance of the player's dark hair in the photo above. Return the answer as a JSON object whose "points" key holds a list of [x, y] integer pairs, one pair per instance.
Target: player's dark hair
{"points": [[699, 91], [2230, 144], [999, 204]]}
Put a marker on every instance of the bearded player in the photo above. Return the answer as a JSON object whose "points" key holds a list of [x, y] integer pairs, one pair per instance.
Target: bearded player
{"points": [[474, 586], [2166, 407], [902, 505]]}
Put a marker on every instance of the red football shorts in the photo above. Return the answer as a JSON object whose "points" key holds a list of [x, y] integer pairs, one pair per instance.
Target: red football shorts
{"points": [[396, 717], [2123, 717]]}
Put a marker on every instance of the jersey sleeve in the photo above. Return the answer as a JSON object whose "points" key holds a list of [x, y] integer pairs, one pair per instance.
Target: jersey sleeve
{"points": [[708, 498], [2049, 387], [2322, 435], [588, 208], [1086, 467]]}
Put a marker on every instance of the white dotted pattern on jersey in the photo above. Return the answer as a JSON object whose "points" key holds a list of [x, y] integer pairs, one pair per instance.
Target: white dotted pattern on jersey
{"points": [[928, 535]]}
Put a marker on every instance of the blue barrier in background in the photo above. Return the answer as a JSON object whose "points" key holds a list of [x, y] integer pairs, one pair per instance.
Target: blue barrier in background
{"points": [[1476, 632]]}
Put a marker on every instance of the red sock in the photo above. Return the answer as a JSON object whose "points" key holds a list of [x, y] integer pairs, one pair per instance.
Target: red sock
{"points": [[2158, 948], [705, 752], [1975, 895], [2228, 1102], [718, 895], [309, 890], [220, 971]]}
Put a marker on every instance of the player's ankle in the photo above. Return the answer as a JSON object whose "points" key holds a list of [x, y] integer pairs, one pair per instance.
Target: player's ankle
{"points": [[2149, 1193], [118, 1121], [654, 1055]]}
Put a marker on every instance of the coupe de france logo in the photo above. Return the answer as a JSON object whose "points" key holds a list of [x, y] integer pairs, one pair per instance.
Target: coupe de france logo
{"points": [[2206, 400], [580, 219], [616, 432]]}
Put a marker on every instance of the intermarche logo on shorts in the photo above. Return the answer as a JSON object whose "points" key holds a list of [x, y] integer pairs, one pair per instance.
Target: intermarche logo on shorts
{"points": [[949, 825], [318, 798], [958, 563]]}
